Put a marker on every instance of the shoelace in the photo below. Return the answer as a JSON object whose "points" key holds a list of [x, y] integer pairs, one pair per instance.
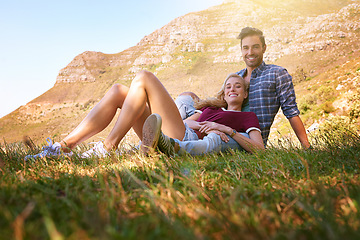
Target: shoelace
{"points": [[49, 148], [166, 145], [98, 150], [45, 150]]}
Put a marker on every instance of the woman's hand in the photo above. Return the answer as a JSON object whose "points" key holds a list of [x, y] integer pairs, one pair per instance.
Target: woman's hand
{"points": [[222, 135], [207, 127]]}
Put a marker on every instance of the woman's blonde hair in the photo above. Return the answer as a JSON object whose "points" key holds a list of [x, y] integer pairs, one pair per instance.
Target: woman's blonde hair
{"points": [[219, 100]]}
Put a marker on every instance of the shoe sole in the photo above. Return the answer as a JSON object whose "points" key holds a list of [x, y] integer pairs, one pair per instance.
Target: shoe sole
{"points": [[151, 133]]}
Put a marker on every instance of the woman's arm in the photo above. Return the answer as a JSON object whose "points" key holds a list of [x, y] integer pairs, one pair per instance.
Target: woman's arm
{"points": [[192, 121], [255, 142], [207, 127]]}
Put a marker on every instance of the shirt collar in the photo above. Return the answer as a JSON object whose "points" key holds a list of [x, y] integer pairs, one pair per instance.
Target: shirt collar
{"points": [[256, 71], [224, 109], [260, 68]]}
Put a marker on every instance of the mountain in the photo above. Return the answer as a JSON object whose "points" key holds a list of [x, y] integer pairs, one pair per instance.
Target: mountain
{"points": [[317, 41]]}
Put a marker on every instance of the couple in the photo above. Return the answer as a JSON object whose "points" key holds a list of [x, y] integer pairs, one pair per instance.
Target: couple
{"points": [[270, 87]]}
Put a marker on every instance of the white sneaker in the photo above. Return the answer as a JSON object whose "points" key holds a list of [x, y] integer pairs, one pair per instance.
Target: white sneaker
{"points": [[98, 150], [50, 150]]}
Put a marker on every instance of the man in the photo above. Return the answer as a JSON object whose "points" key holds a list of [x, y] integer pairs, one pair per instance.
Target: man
{"points": [[271, 87]]}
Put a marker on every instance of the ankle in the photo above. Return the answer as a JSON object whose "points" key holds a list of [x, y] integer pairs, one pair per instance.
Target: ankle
{"points": [[108, 146], [65, 147]]}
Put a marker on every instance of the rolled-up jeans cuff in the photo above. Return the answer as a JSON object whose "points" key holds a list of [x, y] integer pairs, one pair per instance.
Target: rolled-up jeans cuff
{"points": [[185, 105]]}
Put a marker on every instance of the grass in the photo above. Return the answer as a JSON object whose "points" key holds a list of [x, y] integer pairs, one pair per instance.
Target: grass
{"points": [[283, 193]]}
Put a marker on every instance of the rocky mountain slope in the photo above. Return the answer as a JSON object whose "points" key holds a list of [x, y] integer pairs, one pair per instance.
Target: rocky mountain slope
{"points": [[195, 52]]}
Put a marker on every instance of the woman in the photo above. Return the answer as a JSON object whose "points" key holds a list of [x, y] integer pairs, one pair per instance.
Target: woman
{"points": [[218, 119], [146, 95]]}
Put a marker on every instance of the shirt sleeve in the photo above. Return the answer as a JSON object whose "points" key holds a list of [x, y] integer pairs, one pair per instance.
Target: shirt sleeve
{"points": [[252, 123], [201, 110], [286, 94]]}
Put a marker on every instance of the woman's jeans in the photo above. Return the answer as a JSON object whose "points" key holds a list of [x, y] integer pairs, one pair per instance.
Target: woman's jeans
{"points": [[211, 143]]}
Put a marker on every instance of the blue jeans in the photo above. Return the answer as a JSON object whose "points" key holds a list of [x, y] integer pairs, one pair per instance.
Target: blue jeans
{"points": [[211, 143], [185, 104]]}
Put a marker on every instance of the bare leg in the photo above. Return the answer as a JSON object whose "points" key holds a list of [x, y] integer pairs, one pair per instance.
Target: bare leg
{"points": [[99, 117], [145, 95], [146, 90]]}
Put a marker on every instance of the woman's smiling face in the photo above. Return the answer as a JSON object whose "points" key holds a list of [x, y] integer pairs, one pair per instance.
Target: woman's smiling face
{"points": [[235, 91]]}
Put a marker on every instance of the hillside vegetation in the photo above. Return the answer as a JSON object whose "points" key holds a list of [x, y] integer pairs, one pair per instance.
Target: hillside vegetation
{"points": [[317, 41]]}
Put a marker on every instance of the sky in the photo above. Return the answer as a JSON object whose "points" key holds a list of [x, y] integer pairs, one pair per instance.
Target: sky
{"points": [[40, 37]]}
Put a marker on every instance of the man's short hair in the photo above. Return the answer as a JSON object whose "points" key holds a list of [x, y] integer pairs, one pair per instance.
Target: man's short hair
{"points": [[250, 31]]}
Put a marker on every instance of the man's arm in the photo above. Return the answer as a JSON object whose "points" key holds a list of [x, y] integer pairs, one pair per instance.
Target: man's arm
{"points": [[286, 93], [299, 129]]}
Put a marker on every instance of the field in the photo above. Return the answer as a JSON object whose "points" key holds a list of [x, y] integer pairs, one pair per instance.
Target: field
{"points": [[282, 193]]}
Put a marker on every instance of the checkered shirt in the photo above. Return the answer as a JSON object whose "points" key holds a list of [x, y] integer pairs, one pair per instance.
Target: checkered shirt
{"points": [[271, 87]]}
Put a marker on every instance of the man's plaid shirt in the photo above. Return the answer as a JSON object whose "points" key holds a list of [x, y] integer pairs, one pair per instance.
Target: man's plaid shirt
{"points": [[271, 87]]}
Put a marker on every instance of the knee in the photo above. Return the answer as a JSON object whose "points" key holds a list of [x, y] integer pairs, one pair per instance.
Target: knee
{"points": [[191, 94], [118, 92], [118, 88], [143, 76]]}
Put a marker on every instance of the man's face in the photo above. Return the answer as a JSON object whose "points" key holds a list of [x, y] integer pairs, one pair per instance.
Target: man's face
{"points": [[252, 51]]}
